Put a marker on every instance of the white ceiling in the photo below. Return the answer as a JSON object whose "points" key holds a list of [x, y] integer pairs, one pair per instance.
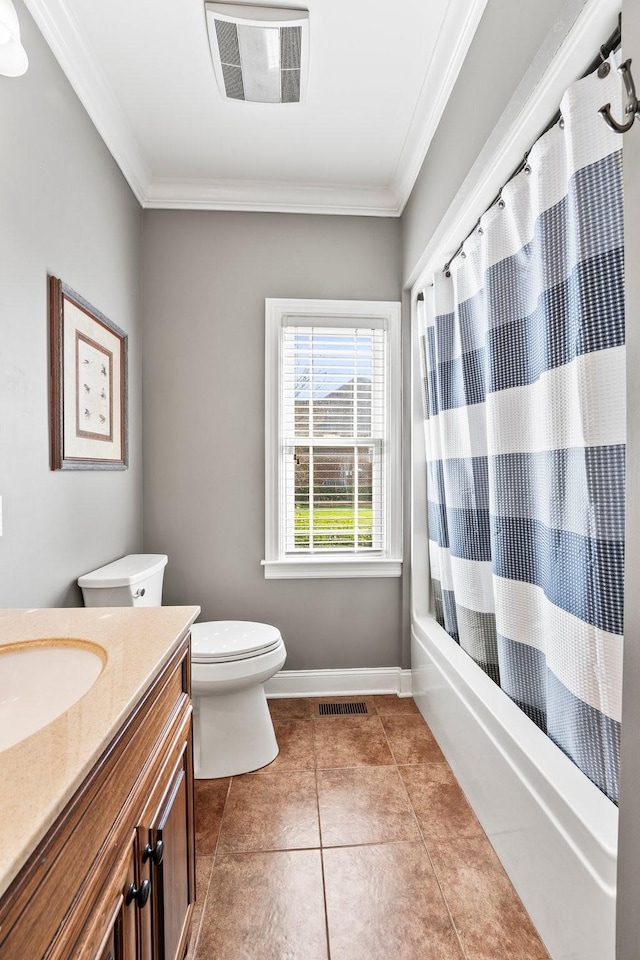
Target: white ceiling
{"points": [[379, 78]]}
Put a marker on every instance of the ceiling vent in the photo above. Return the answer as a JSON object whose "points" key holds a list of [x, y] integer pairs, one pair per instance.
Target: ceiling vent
{"points": [[259, 53]]}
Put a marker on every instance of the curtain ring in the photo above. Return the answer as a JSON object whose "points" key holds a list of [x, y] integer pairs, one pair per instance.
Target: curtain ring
{"points": [[561, 123], [605, 68]]}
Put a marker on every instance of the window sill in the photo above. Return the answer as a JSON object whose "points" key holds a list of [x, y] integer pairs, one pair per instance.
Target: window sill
{"points": [[330, 568]]}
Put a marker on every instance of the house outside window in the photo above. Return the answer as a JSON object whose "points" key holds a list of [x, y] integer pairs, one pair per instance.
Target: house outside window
{"points": [[333, 438]]}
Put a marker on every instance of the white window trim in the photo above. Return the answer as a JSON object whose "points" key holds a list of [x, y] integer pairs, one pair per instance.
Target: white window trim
{"points": [[336, 566]]}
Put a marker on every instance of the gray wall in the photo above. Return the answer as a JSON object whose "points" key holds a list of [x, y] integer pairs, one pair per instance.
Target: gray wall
{"points": [[506, 42], [65, 209], [205, 279]]}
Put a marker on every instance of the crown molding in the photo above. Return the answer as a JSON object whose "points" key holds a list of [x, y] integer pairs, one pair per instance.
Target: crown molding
{"points": [[271, 196], [69, 45], [450, 49]]}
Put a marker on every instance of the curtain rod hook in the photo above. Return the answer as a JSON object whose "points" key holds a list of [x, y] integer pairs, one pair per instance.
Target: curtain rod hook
{"points": [[632, 106]]}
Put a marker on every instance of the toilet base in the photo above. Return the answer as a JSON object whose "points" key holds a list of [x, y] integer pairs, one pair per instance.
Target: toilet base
{"points": [[236, 732]]}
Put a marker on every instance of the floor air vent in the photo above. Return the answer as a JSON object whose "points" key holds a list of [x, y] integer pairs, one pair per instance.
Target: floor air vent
{"points": [[342, 709]]}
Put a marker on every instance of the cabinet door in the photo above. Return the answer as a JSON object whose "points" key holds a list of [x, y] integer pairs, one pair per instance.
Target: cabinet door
{"points": [[171, 854], [113, 930]]}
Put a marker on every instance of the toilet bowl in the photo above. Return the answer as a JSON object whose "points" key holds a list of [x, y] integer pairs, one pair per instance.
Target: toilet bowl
{"points": [[230, 662]]}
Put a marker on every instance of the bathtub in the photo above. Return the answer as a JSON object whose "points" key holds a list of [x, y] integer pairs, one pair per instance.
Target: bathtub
{"points": [[553, 830]]}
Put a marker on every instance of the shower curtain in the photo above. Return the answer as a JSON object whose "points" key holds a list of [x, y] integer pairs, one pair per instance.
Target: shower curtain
{"points": [[524, 389]]}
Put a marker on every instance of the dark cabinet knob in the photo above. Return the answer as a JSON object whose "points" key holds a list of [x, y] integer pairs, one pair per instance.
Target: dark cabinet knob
{"points": [[154, 854], [139, 894]]}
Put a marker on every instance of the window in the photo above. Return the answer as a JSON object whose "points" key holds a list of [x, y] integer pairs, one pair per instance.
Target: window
{"points": [[333, 439]]}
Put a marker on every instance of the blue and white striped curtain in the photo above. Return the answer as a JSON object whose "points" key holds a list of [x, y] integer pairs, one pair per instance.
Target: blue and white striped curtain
{"points": [[523, 350]]}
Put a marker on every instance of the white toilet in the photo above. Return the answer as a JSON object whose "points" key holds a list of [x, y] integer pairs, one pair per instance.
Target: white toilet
{"points": [[230, 662]]}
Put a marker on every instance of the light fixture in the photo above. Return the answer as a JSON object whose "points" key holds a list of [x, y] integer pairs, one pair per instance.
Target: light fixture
{"points": [[259, 53], [13, 57]]}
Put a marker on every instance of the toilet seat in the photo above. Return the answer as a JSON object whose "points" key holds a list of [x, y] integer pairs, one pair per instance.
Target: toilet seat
{"points": [[223, 641]]}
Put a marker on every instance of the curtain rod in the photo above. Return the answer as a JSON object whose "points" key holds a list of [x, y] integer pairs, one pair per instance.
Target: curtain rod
{"points": [[606, 49]]}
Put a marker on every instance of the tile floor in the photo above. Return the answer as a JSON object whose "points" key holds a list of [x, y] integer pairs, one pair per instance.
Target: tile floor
{"points": [[356, 843]]}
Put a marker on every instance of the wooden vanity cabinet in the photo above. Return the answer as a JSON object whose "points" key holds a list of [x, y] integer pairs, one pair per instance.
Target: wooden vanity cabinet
{"points": [[114, 878]]}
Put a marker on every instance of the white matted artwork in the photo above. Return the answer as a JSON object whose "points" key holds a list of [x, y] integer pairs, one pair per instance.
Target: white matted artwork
{"points": [[88, 385]]}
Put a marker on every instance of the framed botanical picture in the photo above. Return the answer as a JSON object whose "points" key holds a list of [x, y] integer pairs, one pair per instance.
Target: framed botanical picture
{"points": [[89, 418]]}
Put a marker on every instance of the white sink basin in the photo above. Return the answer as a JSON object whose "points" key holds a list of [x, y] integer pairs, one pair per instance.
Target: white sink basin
{"points": [[39, 680]]}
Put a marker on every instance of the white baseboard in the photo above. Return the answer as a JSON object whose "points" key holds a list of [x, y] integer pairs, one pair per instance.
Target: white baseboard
{"points": [[333, 683]]}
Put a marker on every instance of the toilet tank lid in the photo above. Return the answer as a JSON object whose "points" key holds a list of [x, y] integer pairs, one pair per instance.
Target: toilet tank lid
{"points": [[125, 571]]}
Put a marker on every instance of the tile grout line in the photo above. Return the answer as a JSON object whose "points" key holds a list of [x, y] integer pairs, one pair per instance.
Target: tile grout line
{"points": [[196, 940], [435, 872], [319, 848], [324, 901], [262, 850], [388, 742], [329, 846], [373, 843], [324, 887], [213, 866], [357, 766], [422, 837], [224, 809]]}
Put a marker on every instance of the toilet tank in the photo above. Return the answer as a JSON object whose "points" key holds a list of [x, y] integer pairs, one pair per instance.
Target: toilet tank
{"points": [[132, 581]]}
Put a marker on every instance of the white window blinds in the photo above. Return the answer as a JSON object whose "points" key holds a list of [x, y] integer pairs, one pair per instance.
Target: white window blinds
{"points": [[333, 437]]}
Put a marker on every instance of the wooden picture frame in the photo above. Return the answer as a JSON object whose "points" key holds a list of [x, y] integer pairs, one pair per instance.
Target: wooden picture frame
{"points": [[88, 385]]}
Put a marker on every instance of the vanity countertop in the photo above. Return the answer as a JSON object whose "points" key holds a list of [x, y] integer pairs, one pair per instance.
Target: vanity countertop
{"points": [[39, 775]]}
